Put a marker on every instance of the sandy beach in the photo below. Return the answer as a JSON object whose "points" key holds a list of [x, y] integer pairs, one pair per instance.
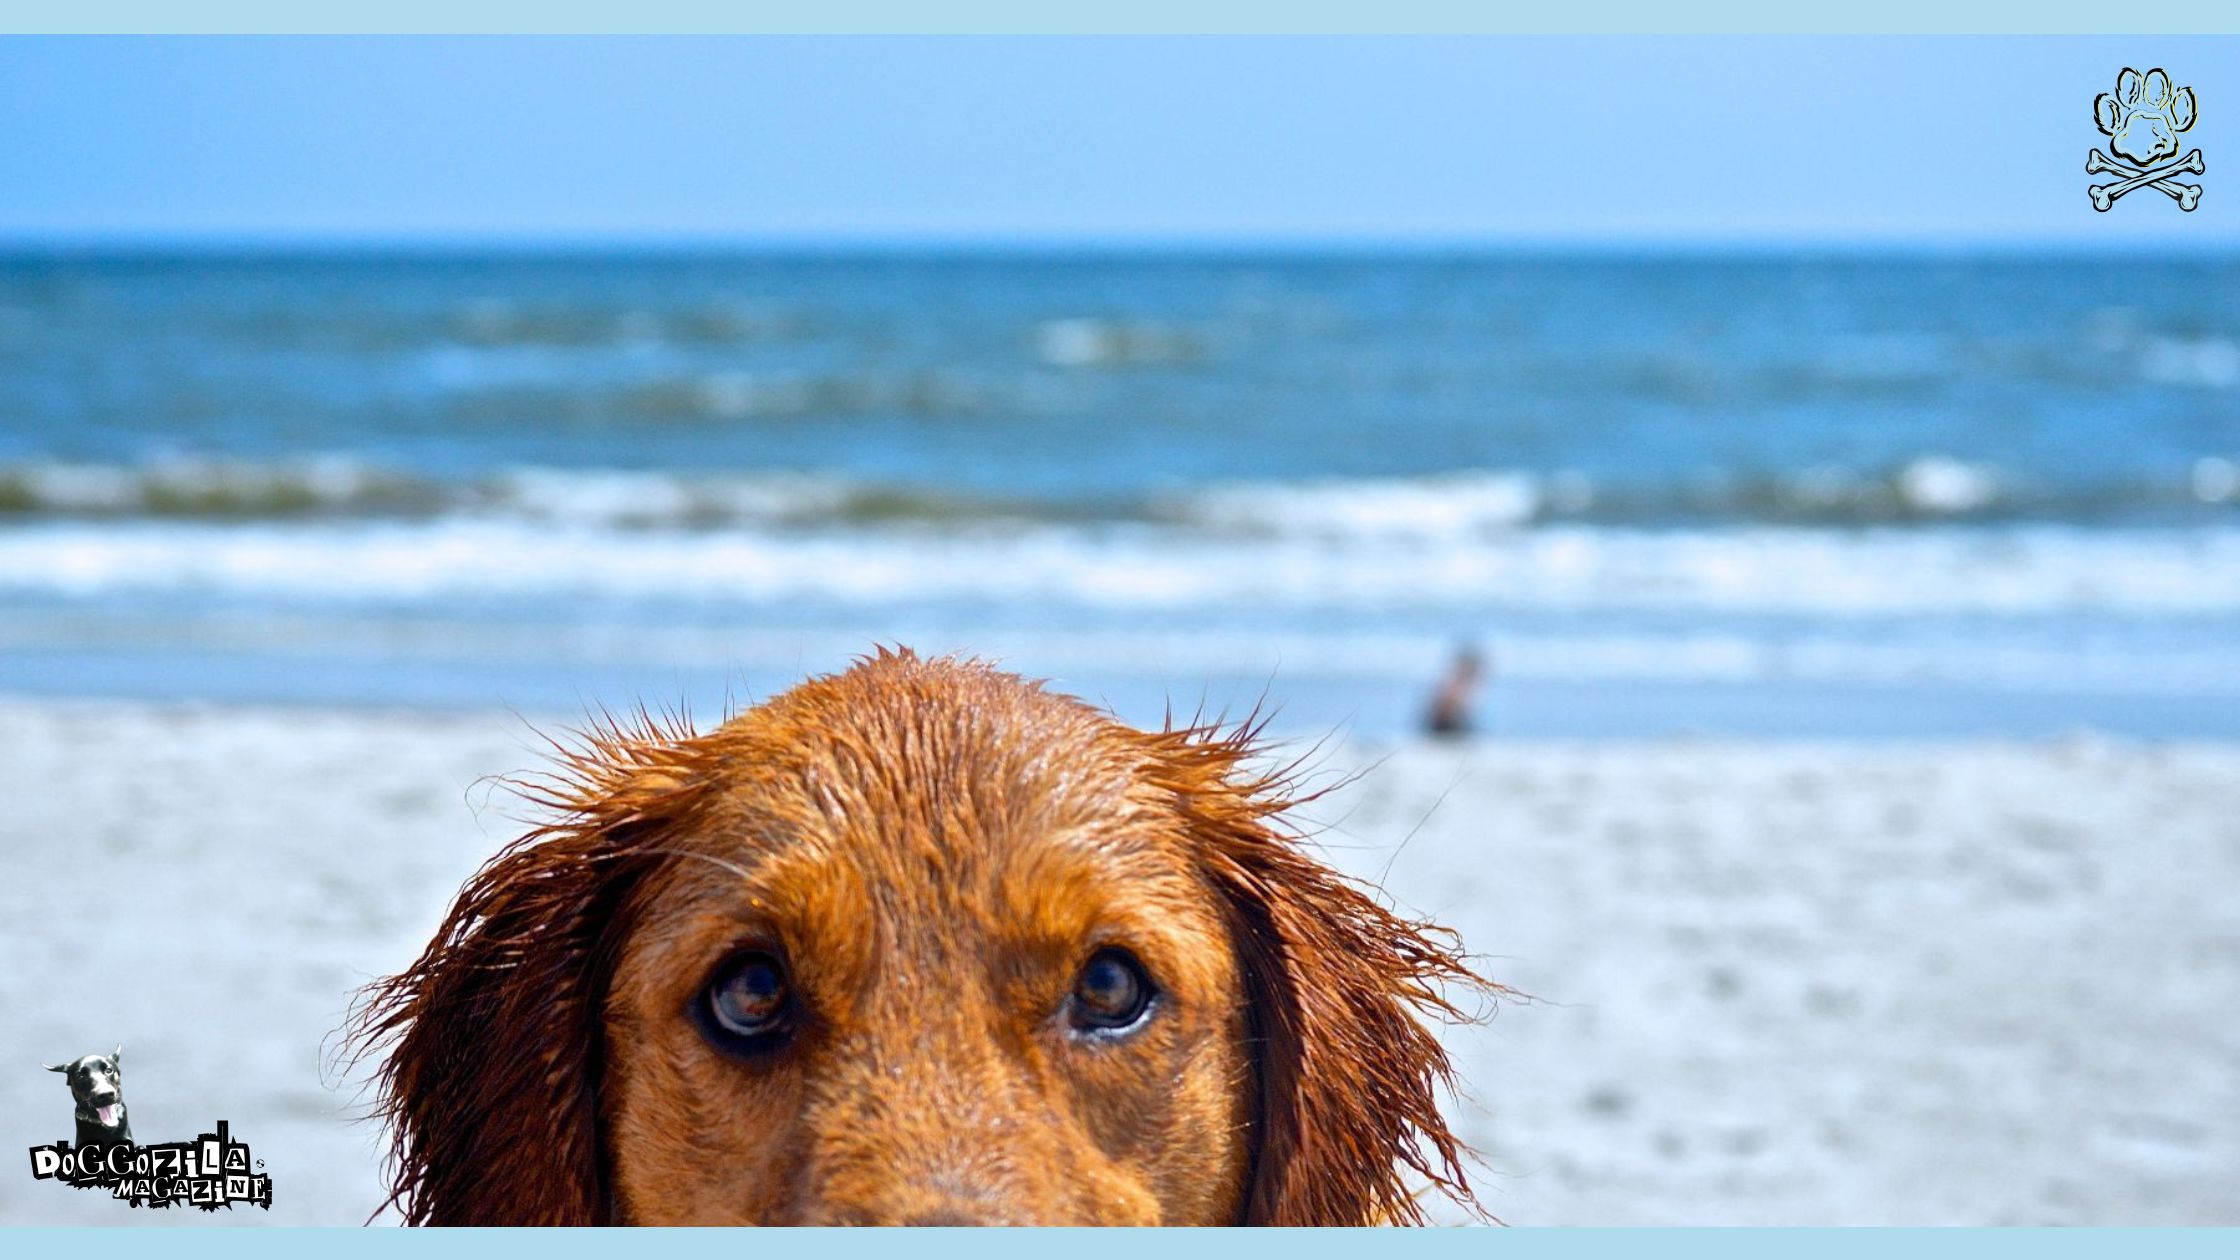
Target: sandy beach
{"points": [[1773, 982]]}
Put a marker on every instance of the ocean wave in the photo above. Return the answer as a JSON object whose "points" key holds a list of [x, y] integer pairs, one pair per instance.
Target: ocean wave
{"points": [[524, 385], [495, 323], [1928, 489], [1108, 343], [216, 488], [1263, 656], [2029, 570], [500, 322], [344, 488], [1458, 504], [2165, 357]]}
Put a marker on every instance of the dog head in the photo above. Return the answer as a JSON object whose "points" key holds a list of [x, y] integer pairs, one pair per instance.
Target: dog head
{"points": [[917, 943], [97, 1086]]}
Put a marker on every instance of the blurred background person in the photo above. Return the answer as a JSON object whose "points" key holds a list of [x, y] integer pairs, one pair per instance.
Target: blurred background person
{"points": [[1452, 711]]}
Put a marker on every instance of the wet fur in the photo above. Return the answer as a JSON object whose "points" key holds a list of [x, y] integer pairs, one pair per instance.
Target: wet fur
{"points": [[940, 842]]}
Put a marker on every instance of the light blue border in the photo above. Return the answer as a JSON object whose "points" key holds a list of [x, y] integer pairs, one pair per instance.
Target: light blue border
{"points": [[1130, 1244], [1350, 17]]}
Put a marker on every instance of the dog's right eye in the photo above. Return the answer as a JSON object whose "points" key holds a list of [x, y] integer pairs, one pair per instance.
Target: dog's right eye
{"points": [[747, 1003]]}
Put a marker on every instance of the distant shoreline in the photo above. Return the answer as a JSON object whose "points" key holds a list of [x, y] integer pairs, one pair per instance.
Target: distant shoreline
{"points": [[1304, 709]]}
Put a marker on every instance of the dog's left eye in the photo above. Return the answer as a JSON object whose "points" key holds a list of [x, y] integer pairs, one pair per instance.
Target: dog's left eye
{"points": [[1111, 994]]}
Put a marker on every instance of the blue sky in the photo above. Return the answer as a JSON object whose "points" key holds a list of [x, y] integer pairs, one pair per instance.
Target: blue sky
{"points": [[1056, 140]]}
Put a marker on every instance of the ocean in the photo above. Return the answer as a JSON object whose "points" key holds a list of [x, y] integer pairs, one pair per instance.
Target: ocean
{"points": [[1813, 495]]}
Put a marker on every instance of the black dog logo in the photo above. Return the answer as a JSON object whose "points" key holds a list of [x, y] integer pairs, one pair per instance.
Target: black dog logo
{"points": [[213, 1171], [97, 1085]]}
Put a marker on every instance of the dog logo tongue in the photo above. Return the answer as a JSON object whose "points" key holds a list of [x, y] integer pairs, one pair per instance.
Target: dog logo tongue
{"points": [[108, 1114]]}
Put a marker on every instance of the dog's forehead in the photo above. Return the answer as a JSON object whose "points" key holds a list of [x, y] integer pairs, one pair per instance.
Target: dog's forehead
{"points": [[892, 814], [932, 745], [928, 789], [965, 776]]}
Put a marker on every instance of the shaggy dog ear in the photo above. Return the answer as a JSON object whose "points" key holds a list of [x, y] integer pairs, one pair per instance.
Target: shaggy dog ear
{"points": [[490, 1084], [1348, 1074]]}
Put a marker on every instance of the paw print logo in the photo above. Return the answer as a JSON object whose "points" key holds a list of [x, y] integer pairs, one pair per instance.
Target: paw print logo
{"points": [[2142, 119], [2144, 115]]}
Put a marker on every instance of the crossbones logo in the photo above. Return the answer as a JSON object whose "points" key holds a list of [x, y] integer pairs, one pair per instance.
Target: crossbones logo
{"points": [[2142, 119]]}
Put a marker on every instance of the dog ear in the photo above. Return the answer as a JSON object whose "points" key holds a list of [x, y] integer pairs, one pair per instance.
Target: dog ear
{"points": [[494, 1036], [118, 1057], [1348, 1074]]}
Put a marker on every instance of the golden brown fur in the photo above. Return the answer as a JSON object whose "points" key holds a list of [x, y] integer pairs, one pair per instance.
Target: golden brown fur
{"points": [[929, 851]]}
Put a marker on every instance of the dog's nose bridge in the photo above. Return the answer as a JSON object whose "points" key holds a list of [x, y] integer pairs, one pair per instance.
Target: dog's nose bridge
{"points": [[934, 1125], [948, 1085], [945, 1184], [930, 1212]]}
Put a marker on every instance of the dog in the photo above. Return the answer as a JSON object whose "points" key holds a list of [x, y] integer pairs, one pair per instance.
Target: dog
{"points": [[918, 943], [97, 1087]]}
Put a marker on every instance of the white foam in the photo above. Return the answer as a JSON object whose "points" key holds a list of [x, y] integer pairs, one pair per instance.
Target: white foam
{"points": [[1982, 570], [1084, 343], [1440, 506], [659, 498], [2205, 363], [1938, 484], [2215, 479]]}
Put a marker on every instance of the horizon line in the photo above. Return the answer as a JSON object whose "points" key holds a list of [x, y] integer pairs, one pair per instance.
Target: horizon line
{"points": [[409, 244]]}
